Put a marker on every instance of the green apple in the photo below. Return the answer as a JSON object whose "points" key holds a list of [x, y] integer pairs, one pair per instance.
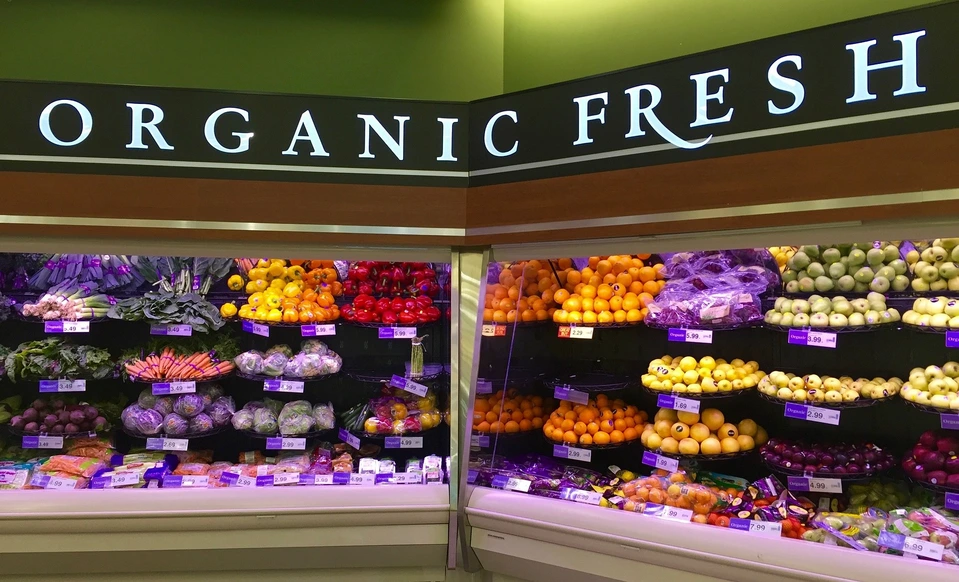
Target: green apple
{"points": [[953, 284], [787, 319], [949, 270], [860, 287], [820, 305], [800, 306], [789, 275], [938, 285], [800, 320], [954, 254], [842, 307], [787, 306], [784, 394], [872, 317], [833, 397], [838, 320], [875, 257], [860, 305], [899, 266], [900, 283], [927, 256], [894, 313], [954, 323], [811, 250], [818, 320], [792, 287], [935, 305], [940, 320], [890, 253], [832, 385], [779, 303], [934, 373], [880, 284], [938, 254], [807, 285], [837, 270], [928, 273], [773, 317], [857, 319]]}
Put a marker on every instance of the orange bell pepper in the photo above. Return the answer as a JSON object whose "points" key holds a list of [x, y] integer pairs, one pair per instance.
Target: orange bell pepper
{"points": [[290, 315]]}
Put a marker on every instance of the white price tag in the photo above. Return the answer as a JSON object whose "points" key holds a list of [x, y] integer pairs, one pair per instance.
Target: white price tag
{"points": [[318, 330], [822, 339], [286, 478], [492, 330], [920, 548], [677, 403], [323, 479], [516, 484], [571, 453], [581, 333], [244, 481], [195, 481], [812, 413], [362, 479], [124, 479], [763, 528], [63, 386], [289, 386], [676, 514], [411, 478], [825, 485], [76, 327], [564, 392], [61, 483], [588, 497]]}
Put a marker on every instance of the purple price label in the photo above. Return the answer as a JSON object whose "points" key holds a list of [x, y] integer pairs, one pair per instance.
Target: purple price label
{"points": [[949, 421], [472, 474], [797, 411], [500, 481], [798, 337], [952, 501], [481, 441], [229, 478], [173, 481], [382, 478], [264, 481], [53, 326], [738, 523], [341, 478], [564, 392], [952, 339], [30, 442], [664, 401], [798, 483], [274, 444], [677, 335], [49, 386], [256, 328], [385, 333], [888, 539], [560, 451]]}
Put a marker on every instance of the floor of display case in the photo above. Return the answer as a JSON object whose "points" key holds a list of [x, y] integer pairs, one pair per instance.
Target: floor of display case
{"points": [[236, 530], [532, 538]]}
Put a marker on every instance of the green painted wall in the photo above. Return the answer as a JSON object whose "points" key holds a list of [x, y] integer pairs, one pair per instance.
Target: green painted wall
{"points": [[548, 41], [414, 49]]}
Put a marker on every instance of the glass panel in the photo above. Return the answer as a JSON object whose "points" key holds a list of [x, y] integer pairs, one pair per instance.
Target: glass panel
{"points": [[191, 372], [808, 389]]}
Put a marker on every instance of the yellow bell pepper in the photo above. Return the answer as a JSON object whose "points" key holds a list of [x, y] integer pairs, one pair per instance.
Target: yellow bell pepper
{"points": [[255, 299], [228, 310], [274, 315], [274, 302], [295, 272], [235, 283], [291, 290]]}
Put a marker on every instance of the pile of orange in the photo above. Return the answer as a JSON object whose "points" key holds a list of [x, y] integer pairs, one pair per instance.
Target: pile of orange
{"points": [[599, 422], [509, 412], [614, 289], [524, 292]]}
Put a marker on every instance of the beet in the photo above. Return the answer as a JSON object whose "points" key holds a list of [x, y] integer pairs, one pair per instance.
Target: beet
{"points": [[57, 429], [50, 420], [30, 414], [17, 421], [99, 423], [31, 427], [90, 412], [64, 417], [38, 404], [76, 417], [71, 429], [57, 404]]}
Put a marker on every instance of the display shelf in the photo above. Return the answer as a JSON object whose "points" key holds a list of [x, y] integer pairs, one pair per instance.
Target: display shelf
{"points": [[188, 435], [265, 378], [522, 324], [705, 327], [380, 325], [701, 395], [943, 489], [285, 324], [80, 435], [610, 447], [926, 329], [383, 436], [620, 325], [590, 382], [929, 408], [380, 376], [707, 458], [853, 404], [864, 475]]}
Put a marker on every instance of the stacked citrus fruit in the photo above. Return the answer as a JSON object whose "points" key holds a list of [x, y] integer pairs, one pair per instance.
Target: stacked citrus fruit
{"points": [[599, 422], [708, 433], [708, 375], [614, 289], [512, 412], [524, 291], [281, 293]]}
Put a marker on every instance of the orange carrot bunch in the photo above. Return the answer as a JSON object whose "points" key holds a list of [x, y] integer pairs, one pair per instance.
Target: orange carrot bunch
{"points": [[168, 366]]}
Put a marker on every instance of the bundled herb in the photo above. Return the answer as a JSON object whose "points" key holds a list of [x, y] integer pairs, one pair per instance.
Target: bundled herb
{"points": [[54, 358], [164, 307], [183, 275]]}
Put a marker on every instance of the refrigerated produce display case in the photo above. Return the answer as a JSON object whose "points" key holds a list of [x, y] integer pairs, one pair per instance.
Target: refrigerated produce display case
{"points": [[197, 413], [643, 405]]}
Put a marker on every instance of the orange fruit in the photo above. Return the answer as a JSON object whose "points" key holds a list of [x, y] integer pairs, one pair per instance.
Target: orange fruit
{"points": [[624, 280], [511, 316], [604, 291], [512, 426], [499, 316], [557, 435], [574, 303], [564, 263], [609, 279], [620, 424], [602, 400], [590, 317], [567, 425], [587, 304], [607, 426], [482, 427], [615, 303], [570, 437], [561, 316], [619, 290], [600, 438], [525, 425], [574, 277], [579, 428], [645, 299], [541, 315], [492, 416], [537, 422], [478, 417], [619, 316], [506, 304], [647, 274], [636, 287], [496, 427], [606, 317], [603, 267], [592, 428], [630, 301], [651, 287], [528, 315], [600, 305], [616, 437], [574, 317], [633, 272], [588, 291], [586, 439], [630, 434], [560, 297]]}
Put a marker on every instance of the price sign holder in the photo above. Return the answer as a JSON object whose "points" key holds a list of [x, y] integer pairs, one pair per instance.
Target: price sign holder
{"points": [[763, 528], [397, 442], [285, 444], [952, 501], [677, 403], [574, 332], [815, 339], [481, 441], [318, 330], [362, 479], [172, 329], [256, 328], [42, 442], [484, 386], [812, 413], [952, 339], [909, 545], [165, 444], [676, 514], [564, 392], [396, 333], [690, 336], [165, 388], [289, 386], [350, 439], [587, 497], [660, 462], [66, 327], [48, 482], [949, 421], [572, 453], [511, 483], [408, 385], [63, 386], [493, 330], [814, 485]]}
